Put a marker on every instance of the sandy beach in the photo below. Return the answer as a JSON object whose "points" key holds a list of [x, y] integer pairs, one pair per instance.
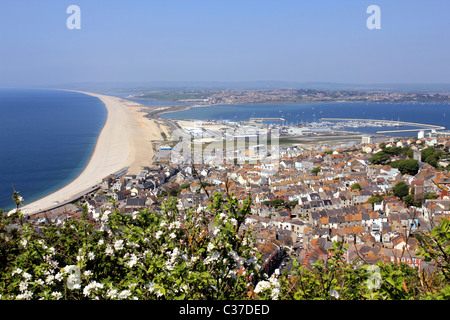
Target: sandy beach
{"points": [[123, 142]]}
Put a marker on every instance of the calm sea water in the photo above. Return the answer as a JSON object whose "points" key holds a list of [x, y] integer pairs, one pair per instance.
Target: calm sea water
{"points": [[296, 113], [46, 140]]}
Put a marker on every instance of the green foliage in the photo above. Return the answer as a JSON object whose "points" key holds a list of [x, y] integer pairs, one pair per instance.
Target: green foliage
{"points": [[380, 158], [435, 246], [431, 156], [425, 153], [143, 255], [401, 189], [316, 170], [409, 201], [375, 199], [356, 186], [194, 254], [337, 279], [406, 166], [431, 196], [386, 153]]}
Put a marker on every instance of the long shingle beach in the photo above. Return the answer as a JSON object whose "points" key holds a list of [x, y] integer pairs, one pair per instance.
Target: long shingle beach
{"points": [[123, 142]]}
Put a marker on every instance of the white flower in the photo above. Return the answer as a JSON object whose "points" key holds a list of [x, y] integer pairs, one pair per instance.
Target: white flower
{"points": [[159, 293], [49, 279], [105, 215], [133, 245], [151, 287], [39, 282], [124, 294], [87, 273], [216, 231], [175, 224], [334, 294], [134, 215], [73, 278], [175, 253], [210, 246], [213, 257], [11, 212], [52, 263], [158, 234], [23, 242], [222, 215], [132, 261], [23, 285], [91, 256], [59, 276], [233, 221], [172, 235], [48, 272], [109, 251], [76, 286], [112, 293], [168, 265], [27, 295], [95, 214], [274, 281], [132, 285], [234, 255], [275, 293], [261, 286], [118, 244], [26, 276], [92, 286], [57, 295], [100, 242], [16, 271]]}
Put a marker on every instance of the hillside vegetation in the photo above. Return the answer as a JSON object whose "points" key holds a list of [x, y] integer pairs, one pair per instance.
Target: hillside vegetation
{"points": [[195, 254]]}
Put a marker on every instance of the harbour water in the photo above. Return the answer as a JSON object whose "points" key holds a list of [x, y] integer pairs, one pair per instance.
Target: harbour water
{"points": [[301, 113]]}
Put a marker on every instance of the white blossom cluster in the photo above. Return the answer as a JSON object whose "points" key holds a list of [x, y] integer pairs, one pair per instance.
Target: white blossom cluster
{"points": [[272, 287], [176, 265]]}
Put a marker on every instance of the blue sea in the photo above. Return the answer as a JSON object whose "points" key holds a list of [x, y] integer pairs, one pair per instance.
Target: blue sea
{"points": [[298, 113], [46, 139]]}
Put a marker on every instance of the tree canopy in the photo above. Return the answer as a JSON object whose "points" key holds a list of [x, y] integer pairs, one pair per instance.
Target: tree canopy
{"points": [[401, 189]]}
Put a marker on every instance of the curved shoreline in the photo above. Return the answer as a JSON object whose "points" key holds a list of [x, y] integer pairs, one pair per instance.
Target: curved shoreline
{"points": [[123, 142]]}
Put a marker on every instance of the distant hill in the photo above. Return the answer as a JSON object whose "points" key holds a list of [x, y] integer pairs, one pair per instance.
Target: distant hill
{"points": [[221, 85]]}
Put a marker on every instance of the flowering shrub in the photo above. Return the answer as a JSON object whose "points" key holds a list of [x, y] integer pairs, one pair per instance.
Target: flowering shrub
{"points": [[193, 254], [143, 255]]}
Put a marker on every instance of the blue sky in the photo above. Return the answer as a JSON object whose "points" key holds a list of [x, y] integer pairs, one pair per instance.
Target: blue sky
{"points": [[209, 40]]}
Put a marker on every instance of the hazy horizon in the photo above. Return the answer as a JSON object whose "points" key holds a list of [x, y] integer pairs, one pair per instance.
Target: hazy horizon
{"points": [[198, 41]]}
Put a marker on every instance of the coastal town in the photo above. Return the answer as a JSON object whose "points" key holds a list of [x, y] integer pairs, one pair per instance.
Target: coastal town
{"points": [[241, 96], [319, 194]]}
